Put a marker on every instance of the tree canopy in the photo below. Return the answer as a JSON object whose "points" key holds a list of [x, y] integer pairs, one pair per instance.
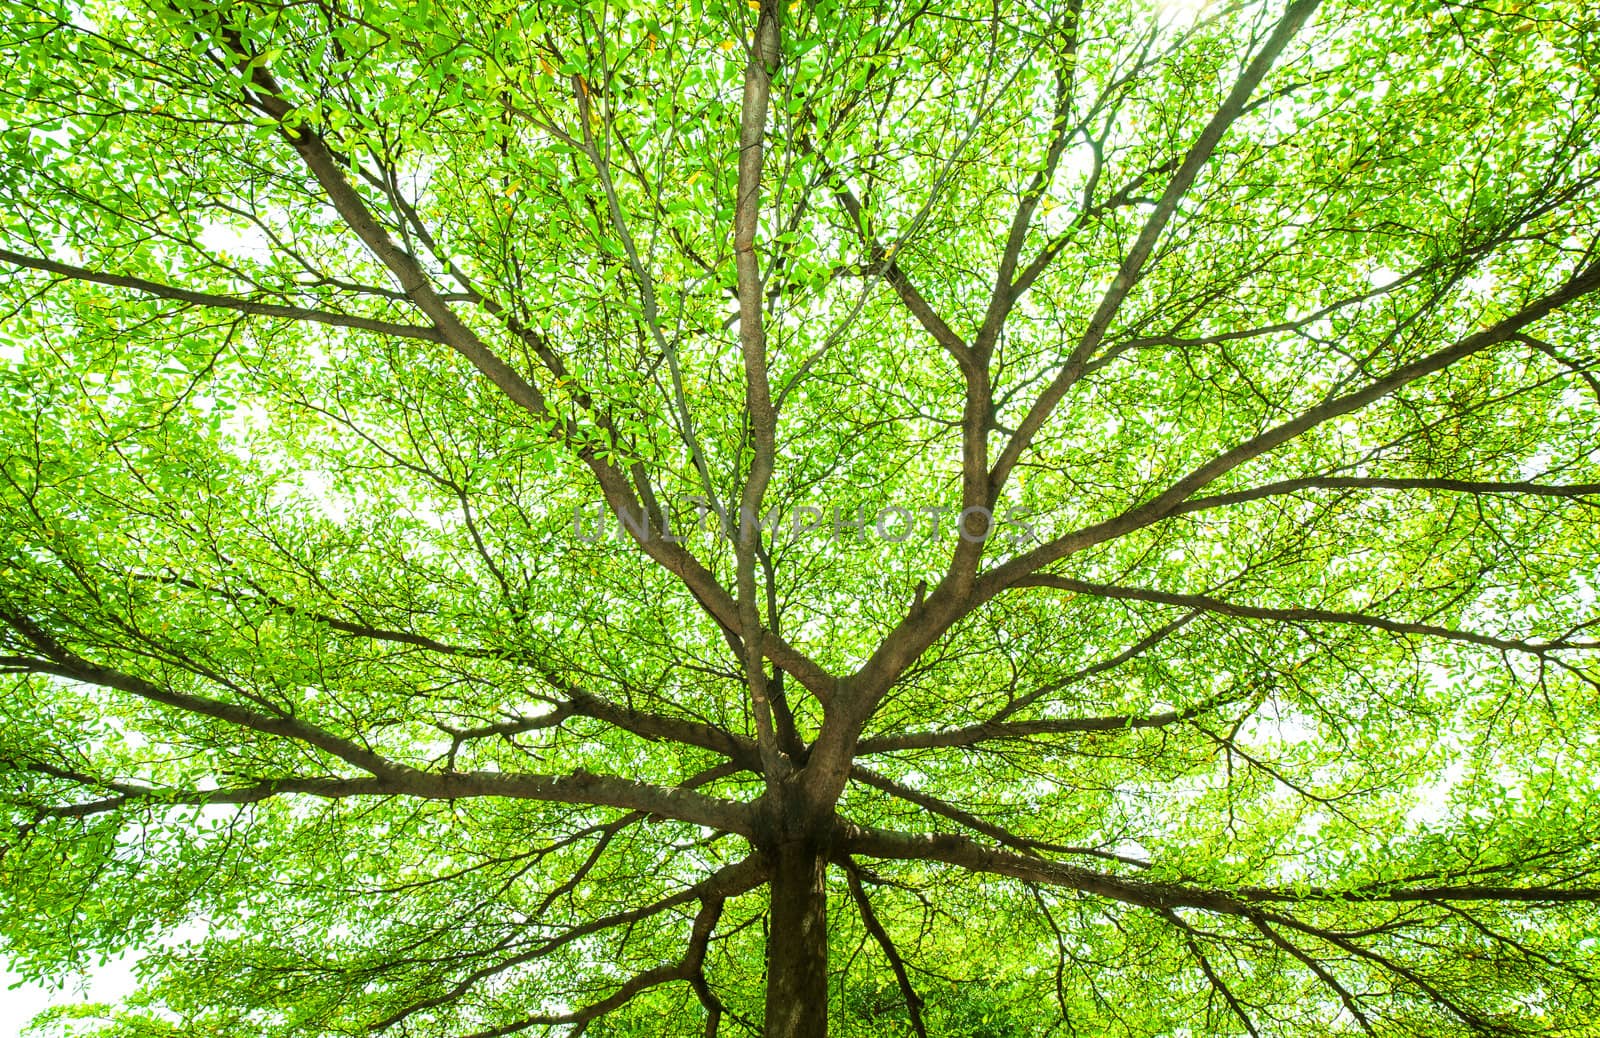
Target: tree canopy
{"points": [[630, 517]]}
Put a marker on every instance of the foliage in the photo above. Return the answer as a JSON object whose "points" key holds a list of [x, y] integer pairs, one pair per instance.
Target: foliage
{"points": [[332, 332]]}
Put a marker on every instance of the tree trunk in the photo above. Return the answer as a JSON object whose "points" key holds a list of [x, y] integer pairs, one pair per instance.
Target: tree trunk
{"points": [[797, 944]]}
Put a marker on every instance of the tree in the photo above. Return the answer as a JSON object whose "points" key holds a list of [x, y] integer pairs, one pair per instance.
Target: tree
{"points": [[660, 518]]}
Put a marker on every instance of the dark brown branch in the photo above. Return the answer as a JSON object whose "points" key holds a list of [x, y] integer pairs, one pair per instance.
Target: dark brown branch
{"points": [[708, 999], [760, 413], [578, 787], [1191, 939], [221, 302], [886, 944], [737, 748], [740, 750], [1128, 274], [728, 881], [1518, 895], [853, 838], [977, 733], [129, 793], [1295, 616], [1575, 491], [1581, 284], [958, 594]]}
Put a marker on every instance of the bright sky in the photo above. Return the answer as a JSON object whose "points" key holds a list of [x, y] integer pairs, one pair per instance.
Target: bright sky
{"points": [[19, 1005]]}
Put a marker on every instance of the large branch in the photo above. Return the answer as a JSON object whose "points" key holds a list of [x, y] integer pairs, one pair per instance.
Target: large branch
{"points": [[325, 168], [958, 594], [762, 417], [129, 794], [738, 749], [220, 302], [971, 735], [728, 881], [390, 778], [576, 788], [1513, 488], [1223, 607], [868, 841], [1128, 273], [1581, 284]]}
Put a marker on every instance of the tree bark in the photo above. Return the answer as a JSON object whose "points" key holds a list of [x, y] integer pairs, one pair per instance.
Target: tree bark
{"points": [[797, 943]]}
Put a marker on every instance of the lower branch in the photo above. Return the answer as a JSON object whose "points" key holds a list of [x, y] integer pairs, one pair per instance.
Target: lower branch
{"points": [[1345, 997], [1192, 941], [686, 968], [388, 778], [1244, 902], [879, 934], [1250, 904], [728, 881]]}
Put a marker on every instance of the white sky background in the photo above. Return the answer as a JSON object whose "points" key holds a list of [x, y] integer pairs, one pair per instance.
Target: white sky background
{"points": [[110, 983]]}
